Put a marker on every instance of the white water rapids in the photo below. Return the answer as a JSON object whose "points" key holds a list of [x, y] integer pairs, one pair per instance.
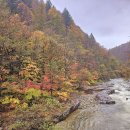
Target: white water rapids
{"points": [[106, 117]]}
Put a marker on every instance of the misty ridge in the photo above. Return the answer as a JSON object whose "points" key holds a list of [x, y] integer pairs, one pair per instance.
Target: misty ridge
{"points": [[55, 58]]}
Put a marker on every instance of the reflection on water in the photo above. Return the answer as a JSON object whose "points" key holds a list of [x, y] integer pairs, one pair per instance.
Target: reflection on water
{"points": [[107, 117]]}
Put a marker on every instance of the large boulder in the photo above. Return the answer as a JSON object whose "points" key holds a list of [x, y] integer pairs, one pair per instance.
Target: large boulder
{"points": [[99, 88], [104, 98]]}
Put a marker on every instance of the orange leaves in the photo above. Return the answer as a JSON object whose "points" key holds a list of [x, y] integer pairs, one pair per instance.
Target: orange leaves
{"points": [[53, 13], [63, 96], [95, 75], [46, 83], [25, 13], [74, 66], [3, 73], [37, 36], [46, 79], [77, 32], [29, 70], [31, 85], [20, 30]]}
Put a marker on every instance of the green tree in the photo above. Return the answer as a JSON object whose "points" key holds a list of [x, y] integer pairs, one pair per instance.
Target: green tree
{"points": [[48, 5], [39, 13], [28, 3], [67, 18]]}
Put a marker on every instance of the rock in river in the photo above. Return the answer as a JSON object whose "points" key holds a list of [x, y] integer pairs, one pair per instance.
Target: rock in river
{"points": [[104, 98]]}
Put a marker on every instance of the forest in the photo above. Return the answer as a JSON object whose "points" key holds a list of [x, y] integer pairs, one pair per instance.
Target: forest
{"points": [[122, 52], [45, 59]]}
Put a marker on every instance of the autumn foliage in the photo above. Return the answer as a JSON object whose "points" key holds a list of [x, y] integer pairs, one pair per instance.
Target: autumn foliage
{"points": [[44, 58]]}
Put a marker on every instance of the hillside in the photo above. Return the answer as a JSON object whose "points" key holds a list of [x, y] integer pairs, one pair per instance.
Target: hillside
{"points": [[121, 52], [32, 25], [45, 59]]}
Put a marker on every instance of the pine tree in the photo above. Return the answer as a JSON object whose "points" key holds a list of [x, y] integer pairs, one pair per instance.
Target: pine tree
{"points": [[67, 21], [28, 2], [13, 5], [67, 18], [92, 38], [48, 5]]}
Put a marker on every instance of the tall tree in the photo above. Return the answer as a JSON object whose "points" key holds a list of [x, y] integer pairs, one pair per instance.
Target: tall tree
{"points": [[48, 5], [28, 2], [25, 13], [92, 41], [13, 5], [67, 18], [67, 21], [39, 14], [92, 38]]}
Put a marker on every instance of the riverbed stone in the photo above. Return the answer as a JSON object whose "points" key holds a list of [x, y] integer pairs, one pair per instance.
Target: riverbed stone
{"points": [[104, 98]]}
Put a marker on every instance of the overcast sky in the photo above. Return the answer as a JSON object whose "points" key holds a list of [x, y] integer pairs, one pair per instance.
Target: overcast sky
{"points": [[108, 20]]}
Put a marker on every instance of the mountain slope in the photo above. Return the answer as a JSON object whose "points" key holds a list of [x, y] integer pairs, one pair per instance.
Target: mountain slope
{"points": [[121, 52], [44, 17]]}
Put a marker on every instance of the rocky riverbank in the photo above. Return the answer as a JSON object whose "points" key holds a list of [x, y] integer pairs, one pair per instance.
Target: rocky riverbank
{"points": [[67, 112], [90, 99], [88, 105]]}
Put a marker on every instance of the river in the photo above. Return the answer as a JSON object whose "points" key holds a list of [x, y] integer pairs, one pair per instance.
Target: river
{"points": [[103, 117]]}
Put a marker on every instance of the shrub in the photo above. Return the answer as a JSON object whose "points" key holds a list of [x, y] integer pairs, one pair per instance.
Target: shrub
{"points": [[30, 71], [17, 125], [32, 93], [67, 84], [8, 100], [63, 96], [12, 78], [35, 117], [8, 103], [51, 102]]}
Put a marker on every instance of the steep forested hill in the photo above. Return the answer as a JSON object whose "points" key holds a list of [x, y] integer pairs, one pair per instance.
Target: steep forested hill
{"points": [[45, 58], [122, 52], [77, 46]]}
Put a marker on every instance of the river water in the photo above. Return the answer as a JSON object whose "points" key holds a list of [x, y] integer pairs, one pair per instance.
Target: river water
{"points": [[105, 117]]}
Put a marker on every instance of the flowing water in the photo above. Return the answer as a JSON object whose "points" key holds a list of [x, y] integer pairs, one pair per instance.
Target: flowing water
{"points": [[105, 117]]}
